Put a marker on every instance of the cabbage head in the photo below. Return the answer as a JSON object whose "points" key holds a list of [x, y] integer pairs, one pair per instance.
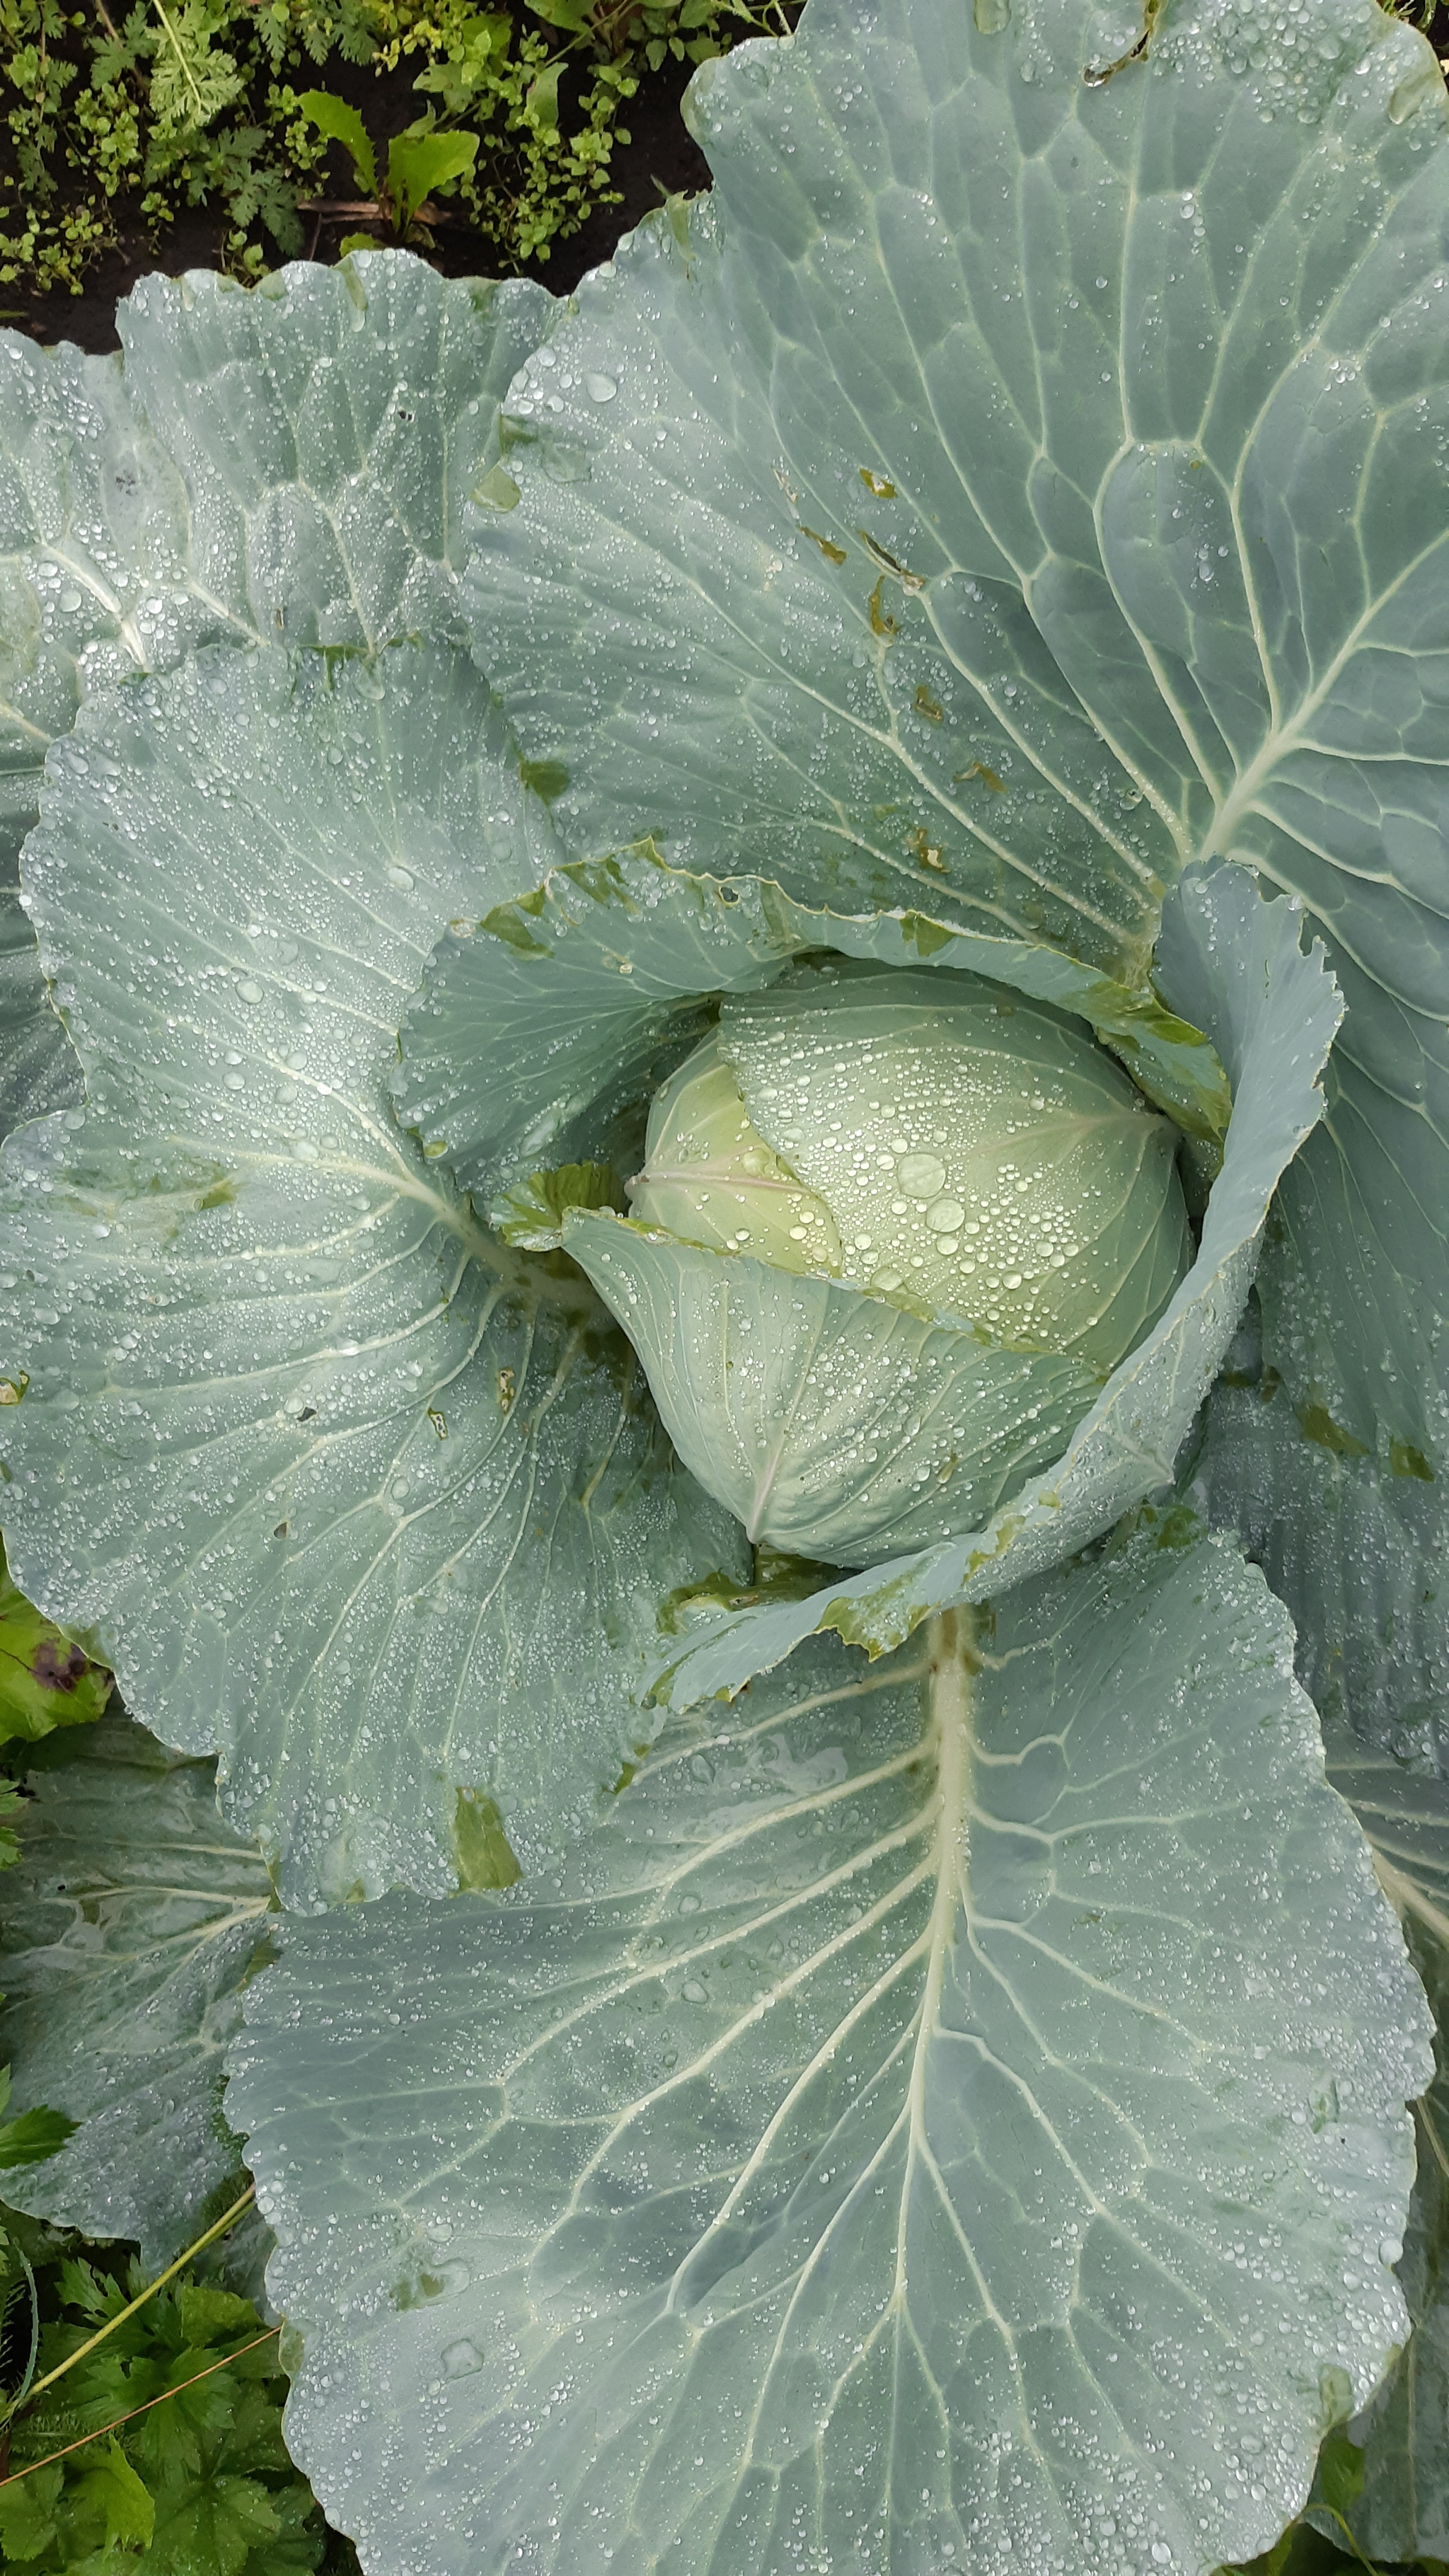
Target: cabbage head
{"points": [[966, 1156], [724, 1041]]}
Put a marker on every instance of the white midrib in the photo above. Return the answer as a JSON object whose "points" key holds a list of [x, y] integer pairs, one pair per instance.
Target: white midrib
{"points": [[950, 1730], [1287, 736], [726, 1175]]}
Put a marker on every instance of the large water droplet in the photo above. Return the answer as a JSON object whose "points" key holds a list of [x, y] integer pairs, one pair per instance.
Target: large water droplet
{"points": [[921, 1175]]}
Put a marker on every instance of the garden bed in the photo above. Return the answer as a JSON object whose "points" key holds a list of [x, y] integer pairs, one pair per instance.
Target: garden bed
{"points": [[661, 158]]}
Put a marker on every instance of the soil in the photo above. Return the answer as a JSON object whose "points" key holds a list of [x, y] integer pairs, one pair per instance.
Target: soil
{"points": [[659, 160]]}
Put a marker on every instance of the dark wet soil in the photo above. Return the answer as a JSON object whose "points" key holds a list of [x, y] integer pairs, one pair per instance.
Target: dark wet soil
{"points": [[659, 160]]}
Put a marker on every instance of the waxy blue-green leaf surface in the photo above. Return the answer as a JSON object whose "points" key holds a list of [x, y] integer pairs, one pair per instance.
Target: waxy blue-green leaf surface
{"points": [[1356, 1547], [1005, 484], [127, 1930], [1234, 966], [954, 2118], [341, 1488], [288, 464], [1011, 485], [38, 1070], [1402, 2511]]}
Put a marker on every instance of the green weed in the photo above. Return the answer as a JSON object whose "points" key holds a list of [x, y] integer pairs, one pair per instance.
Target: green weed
{"points": [[176, 104]]}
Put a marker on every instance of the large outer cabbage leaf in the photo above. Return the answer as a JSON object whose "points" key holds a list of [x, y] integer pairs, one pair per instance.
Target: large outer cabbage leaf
{"points": [[339, 1485], [289, 465], [1016, 483], [38, 1071], [127, 1930], [953, 2118], [1007, 484]]}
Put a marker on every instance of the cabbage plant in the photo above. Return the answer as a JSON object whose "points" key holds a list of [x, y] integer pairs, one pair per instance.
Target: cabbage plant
{"points": [[724, 1255]]}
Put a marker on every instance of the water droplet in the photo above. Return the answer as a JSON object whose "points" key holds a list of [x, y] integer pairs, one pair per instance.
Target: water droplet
{"points": [[921, 1175], [70, 600], [946, 1215], [461, 2359], [600, 388], [248, 991], [401, 877]]}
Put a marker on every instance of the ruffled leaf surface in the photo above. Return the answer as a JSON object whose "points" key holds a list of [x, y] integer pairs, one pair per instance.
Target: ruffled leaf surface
{"points": [[338, 1485], [38, 1069], [1402, 2509], [287, 464], [128, 1929]]}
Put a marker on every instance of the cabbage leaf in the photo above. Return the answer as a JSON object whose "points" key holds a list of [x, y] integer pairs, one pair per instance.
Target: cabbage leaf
{"points": [[128, 1928], [289, 466], [338, 1485], [952, 2116], [1020, 479]]}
